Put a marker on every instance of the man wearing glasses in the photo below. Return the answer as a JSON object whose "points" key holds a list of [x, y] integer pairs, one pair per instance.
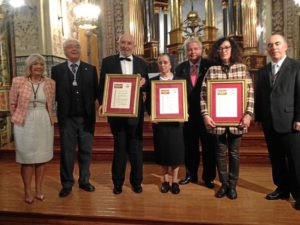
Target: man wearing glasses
{"points": [[76, 92], [193, 71]]}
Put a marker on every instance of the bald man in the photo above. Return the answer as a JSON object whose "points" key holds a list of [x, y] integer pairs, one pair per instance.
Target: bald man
{"points": [[127, 131], [277, 108]]}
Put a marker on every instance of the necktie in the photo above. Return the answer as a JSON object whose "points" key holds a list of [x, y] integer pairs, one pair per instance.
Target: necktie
{"points": [[125, 58], [74, 67], [194, 74], [274, 74], [74, 70]]}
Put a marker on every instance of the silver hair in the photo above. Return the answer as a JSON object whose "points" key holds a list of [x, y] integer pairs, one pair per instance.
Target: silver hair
{"points": [[32, 59], [190, 41], [68, 40]]}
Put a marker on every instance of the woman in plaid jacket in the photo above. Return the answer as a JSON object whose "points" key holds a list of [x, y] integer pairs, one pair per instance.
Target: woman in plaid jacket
{"points": [[31, 101], [227, 55]]}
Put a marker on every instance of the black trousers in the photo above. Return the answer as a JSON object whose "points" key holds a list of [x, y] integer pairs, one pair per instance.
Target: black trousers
{"points": [[128, 141], [194, 131], [230, 142], [73, 135], [284, 153]]}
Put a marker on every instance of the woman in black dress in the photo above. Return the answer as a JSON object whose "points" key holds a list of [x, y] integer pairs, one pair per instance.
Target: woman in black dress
{"points": [[167, 136]]}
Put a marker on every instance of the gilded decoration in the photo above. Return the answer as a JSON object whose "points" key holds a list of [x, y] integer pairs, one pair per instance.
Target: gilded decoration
{"points": [[26, 29], [112, 26], [277, 16], [289, 22]]}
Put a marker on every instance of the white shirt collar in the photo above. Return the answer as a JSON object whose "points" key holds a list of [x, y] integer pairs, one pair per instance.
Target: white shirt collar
{"points": [[70, 63], [130, 57], [279, 63]]}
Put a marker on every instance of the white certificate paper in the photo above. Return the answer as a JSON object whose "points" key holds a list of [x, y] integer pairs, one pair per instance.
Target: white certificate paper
{"points": [[168, 99], [226, 102], [121, 93]]}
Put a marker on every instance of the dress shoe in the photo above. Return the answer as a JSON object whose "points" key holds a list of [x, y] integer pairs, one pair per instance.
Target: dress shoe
{"points": [[165, 187], [277, 195], [40, 197], [137, 188], [209, 184], [65, 192], [87, 187], [117, 189], [29, 200], [231, 193], [175, 188], [187, 180], [222, 191], [297, 205]]}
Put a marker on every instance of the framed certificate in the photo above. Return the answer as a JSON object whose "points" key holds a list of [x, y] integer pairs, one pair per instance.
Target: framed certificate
{"points": [[226, 101], [169, 101], [121, 95]]}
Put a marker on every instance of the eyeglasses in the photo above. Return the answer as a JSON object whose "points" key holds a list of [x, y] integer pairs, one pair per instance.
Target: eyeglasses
{"points": [[73, 46], [226, 48]]}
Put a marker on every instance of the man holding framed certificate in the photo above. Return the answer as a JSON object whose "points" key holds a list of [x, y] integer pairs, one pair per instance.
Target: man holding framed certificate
{"points": [[227, 109], [127, 131]]}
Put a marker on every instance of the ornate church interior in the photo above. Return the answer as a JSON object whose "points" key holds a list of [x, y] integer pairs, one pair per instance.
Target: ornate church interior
{"points": [[158, 26]]}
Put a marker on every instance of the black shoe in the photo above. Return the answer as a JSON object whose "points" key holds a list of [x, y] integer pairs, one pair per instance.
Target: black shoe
{"points": [[187, 180], [87, 187], [277, 195], [175, 188], [165, 187], [231, 193], [222, 191], [137, 188], [209, 184], [64, 192], [117, 189], [297, 205]]}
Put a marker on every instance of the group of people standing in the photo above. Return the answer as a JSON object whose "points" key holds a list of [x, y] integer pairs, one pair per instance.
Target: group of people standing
{"points": [[74, 87]]}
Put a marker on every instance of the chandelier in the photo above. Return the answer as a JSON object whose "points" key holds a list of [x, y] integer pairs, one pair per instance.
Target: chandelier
{"points": [[192, 26], [86, 15], [16, 3]]}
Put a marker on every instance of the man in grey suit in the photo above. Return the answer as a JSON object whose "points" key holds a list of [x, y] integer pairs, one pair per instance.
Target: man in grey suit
{"points": [[277, 108], [127, 131], [76, 92]]}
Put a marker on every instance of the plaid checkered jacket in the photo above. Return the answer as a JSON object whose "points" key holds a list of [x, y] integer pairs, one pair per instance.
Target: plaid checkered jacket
{"points": [[20, 94], [236, 71]]}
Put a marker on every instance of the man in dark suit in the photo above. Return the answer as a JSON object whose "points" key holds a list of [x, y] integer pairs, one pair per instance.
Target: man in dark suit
{"points": [[193, 71], [76, 92], [277, 108], [127, 131]]}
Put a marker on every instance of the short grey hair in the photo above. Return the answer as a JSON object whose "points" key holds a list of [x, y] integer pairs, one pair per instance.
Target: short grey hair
{"points": [[32, 59], [68, 40], [190, 41]]}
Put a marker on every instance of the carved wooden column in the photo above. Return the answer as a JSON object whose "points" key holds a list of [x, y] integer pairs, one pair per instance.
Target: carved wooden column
{"points": [[151, 35], [251, 57], [210, 30], [136, 25], [176, 38]]}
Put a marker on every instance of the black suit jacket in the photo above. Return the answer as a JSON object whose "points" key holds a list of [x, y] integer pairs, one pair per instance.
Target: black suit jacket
{"points": [[112, 65], [278, 106], [183, 72], [88, 81]]}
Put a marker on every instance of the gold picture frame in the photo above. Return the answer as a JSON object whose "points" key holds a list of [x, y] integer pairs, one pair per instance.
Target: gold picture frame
{"points": [[172, 96], [226, 101], [121, 95]]}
